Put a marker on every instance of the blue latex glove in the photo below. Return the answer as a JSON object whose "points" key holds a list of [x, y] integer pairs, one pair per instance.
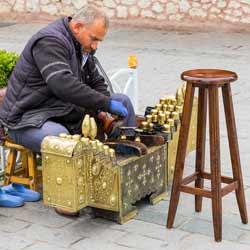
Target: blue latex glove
{"points": [[118, 108]]}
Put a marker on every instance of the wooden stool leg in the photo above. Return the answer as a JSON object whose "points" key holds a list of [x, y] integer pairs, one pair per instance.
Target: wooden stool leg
{"points": [[32, 170], [11, 164], [214, 132], [200, 144], [181, 154], [25, 163], [234, 150]]}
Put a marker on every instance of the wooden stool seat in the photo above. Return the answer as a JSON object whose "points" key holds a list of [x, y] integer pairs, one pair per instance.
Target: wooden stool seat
{"points": [[208, 81], [208, 77], [27, 173]]}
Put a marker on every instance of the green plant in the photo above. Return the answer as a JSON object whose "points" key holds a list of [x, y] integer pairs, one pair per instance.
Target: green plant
{"points": [[7, 63]]}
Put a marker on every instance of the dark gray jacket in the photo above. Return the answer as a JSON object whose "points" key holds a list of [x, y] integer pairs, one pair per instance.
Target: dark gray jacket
{"points": [[48, 81]]}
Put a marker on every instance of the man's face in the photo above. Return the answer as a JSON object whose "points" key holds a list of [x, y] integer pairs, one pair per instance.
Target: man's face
{"points": [[89, 35]]}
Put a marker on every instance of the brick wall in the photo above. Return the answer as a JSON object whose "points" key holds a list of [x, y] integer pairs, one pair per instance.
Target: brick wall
{"points": [[203, 14]]}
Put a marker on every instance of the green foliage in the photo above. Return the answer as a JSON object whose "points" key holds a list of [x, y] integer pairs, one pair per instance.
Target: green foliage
{"points": [[7, 63]]}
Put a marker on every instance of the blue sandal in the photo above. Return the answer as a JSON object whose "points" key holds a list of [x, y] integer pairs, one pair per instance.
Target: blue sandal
{"points": [[7, 200], [17, 189]]}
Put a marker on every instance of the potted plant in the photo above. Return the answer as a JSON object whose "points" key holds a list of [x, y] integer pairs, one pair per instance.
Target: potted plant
{"points": [[7, 63]]}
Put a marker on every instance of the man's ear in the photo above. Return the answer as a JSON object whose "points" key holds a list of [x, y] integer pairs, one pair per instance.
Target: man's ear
{"points": [[77, 27]]}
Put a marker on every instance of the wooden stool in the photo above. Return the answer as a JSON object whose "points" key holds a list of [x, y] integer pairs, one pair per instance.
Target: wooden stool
{"points": [[208, 81], [27, 174]]}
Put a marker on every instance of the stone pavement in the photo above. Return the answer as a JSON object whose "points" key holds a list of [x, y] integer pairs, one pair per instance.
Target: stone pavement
{"points": [[162, 56]]}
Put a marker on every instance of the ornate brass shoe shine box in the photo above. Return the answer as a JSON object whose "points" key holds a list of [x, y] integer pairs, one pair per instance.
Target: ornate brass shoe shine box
{"points": [[83, 173], [77, 174]]}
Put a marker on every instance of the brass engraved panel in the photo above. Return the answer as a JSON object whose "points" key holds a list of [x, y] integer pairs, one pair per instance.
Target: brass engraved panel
{"points": [[144, 176], [103, 183]]}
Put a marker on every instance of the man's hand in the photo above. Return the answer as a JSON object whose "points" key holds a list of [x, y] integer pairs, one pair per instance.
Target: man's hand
{"points": [[117, 108]]}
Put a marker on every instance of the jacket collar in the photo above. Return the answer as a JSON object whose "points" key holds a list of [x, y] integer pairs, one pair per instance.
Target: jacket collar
{"points": [[66, 21]]}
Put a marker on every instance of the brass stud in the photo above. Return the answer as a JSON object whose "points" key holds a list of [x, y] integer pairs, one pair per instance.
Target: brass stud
{"points": [[85, 140], [104, 185], [112, 200], [100, 146], [76, 137], [95, 169], [59, 180], [112, 153], [106, 149], [81, 198], [80, 181], [63, 135]]}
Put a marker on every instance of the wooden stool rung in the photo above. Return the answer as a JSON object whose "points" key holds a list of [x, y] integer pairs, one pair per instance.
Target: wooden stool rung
{"points": [[196, 191], [229, 188], [16, 179], [224, 179], [190, 178]]}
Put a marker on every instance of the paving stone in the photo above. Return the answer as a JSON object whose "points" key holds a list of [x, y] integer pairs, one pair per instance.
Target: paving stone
{"points": [[245, 238], [12, 225], [58, 237], [201, 242], [160, 218], [38, 206], [87, 227], [45, 246], [47, 218], [151, 230], [90, 244], [135, 240], [229, 232], [11, 241]]}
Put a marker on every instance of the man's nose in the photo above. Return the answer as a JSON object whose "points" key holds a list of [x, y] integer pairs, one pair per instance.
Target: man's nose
{"points": [[94, 45]]}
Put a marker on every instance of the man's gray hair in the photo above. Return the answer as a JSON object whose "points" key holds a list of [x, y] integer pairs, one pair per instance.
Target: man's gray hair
{"points": [[89, 13]]}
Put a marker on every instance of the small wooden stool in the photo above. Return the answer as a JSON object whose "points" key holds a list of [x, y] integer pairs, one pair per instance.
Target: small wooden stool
{"points": [[208, 81], [27, 174]]}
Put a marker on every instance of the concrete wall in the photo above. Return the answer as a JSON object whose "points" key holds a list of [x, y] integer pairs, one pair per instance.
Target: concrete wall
{"points": [[202, 14]]}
